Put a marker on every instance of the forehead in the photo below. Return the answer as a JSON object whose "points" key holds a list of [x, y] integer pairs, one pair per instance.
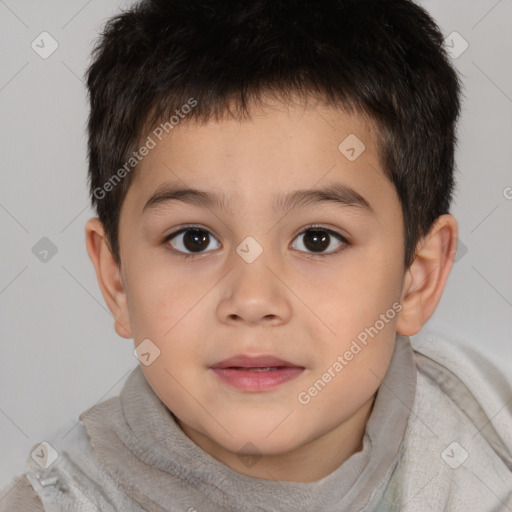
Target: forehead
{"points": [[282, 148]]}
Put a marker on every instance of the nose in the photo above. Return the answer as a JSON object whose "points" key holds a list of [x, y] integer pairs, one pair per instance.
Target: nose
{"points": [[255, 294]]}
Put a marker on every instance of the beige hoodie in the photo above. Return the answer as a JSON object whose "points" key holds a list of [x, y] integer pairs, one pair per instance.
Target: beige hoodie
{"points": [[439, 438]]}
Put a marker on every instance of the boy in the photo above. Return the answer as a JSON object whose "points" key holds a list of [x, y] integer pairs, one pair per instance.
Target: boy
{"points": [[308, 150]]}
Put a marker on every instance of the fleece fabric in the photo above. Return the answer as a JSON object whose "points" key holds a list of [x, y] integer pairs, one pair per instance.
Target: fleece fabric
{"points": [[439, 439]]}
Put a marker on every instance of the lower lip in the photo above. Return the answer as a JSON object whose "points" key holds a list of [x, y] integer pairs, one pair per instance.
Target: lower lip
{"points": [[253, 380]]}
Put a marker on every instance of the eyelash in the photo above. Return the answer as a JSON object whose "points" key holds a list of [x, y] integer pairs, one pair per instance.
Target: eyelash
{"points": [[311, 227]]}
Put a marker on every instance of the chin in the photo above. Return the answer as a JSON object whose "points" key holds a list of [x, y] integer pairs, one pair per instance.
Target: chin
{"points": [[247, 445], [263, 438]]}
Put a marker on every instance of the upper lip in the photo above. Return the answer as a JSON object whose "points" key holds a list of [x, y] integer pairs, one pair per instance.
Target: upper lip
{"points": [[245, 361]]}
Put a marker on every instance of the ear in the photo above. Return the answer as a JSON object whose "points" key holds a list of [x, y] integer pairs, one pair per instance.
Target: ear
{"points": [[109, 276], [426, 278]]}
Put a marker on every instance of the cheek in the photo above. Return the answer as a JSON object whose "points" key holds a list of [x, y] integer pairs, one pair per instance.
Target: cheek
{"points": [[361, 292], [362, 307], [160, 301], [171, 315]]}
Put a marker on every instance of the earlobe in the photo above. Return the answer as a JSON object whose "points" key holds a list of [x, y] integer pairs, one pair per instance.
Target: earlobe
{"points": [[108, 275], [426, 277]]}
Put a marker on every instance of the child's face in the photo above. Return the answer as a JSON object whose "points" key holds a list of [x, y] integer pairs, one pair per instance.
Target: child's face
{"points": [[289, 302]]}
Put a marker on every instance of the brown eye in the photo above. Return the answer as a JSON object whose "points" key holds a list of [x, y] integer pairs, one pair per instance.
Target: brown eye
{"points": [[191, 240], [317, 240]]}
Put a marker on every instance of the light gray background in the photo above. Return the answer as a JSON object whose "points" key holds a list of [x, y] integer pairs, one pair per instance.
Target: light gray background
{"points": [[60, 354]]}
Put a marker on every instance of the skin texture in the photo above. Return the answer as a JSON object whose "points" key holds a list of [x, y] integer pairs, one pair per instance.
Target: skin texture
{"points": [[291, 302]]}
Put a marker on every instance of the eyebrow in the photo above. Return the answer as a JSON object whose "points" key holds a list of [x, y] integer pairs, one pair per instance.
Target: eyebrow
{"points": [[331, 193]]}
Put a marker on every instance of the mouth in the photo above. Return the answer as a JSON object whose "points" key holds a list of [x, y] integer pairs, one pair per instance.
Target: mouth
{"points": [[256, 374]]}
